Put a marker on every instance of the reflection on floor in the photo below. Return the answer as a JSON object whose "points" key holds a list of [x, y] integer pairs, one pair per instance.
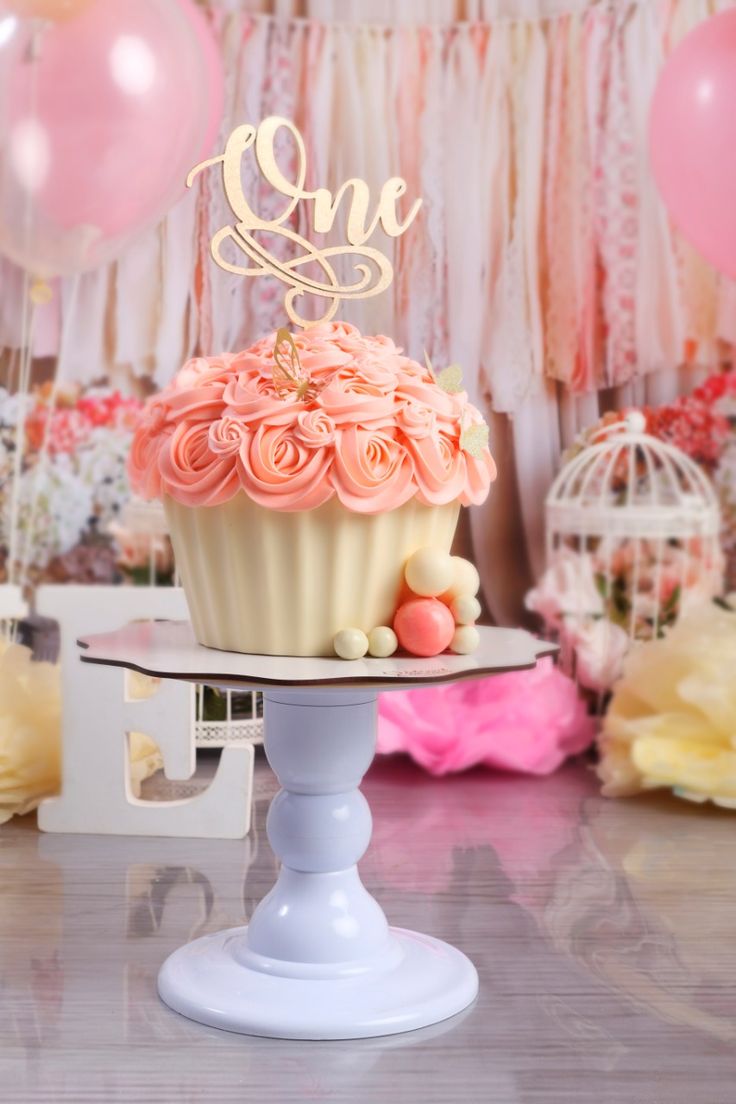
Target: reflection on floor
{"points": [[603, 934]]}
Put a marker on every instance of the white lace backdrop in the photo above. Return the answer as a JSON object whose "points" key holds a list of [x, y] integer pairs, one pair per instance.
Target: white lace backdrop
{"points": [[542, 260]]}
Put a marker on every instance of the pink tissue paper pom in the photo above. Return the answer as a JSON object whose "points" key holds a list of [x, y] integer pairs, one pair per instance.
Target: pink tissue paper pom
{"points": [[528, 721]]}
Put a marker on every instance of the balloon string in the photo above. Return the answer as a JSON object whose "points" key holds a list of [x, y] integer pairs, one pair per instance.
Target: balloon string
{"points": [[28, 313], [42, 461], [25, 352]]}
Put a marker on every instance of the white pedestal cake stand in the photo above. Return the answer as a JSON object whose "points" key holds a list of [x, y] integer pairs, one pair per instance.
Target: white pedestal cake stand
{"points": [[318, 959]]}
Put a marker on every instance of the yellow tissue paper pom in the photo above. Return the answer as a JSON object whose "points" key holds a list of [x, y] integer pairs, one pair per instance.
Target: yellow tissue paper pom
{"points": [[30, 734], [672, 718]]}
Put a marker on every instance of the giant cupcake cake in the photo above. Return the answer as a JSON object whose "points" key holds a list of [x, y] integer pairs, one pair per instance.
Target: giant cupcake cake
{"points": [[300, 476]]}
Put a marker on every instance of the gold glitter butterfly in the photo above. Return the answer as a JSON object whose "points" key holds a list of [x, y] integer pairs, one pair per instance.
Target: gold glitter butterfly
{"points": [[474, 439], [450, 379], [288, 374]]}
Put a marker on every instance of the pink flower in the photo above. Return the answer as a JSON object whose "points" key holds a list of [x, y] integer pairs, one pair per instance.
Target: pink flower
{"points": [[693, 426], [721, 385], [137, 550], [528, 721]]}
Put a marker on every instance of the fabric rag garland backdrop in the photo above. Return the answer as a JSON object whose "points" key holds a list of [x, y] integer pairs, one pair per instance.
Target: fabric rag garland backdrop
{"points": [[542, 261]]}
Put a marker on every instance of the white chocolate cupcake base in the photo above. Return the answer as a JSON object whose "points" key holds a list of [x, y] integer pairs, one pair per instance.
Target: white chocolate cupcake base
{"points": [[276, 583]]}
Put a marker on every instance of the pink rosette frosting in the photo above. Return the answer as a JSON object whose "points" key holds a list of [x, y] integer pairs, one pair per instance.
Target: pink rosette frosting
{"points": [[279, 470], [440, 468], [150, 437], [314, 428], [227, 435], [191, 472], [255, 399], [359, 420], [373, 470]]}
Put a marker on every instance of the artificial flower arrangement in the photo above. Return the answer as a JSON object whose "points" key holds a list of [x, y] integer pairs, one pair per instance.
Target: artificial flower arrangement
{"points": [[598, 599], [71, 482], [703, 425]]}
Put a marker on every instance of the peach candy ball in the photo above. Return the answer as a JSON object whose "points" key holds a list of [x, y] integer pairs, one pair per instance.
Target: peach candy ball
{"points": [[424, 626]]}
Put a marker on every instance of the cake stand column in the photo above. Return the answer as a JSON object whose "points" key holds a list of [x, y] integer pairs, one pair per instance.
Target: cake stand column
{"points": [[318, 959], [319, 919]]}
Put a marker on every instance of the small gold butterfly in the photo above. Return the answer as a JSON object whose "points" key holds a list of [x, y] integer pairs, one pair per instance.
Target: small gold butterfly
{"points": [[450, 379], [474, 439], [288, 374]]}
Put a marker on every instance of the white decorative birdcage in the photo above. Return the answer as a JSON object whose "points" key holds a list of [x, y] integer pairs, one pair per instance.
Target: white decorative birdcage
{"points": [[632, 540], [242, 721]]}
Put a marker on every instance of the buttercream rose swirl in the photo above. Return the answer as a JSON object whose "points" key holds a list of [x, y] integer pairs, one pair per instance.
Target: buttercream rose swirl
{"points": [[373, 470], [149, 438], [227, 435], [277, 469], [192, 473]]}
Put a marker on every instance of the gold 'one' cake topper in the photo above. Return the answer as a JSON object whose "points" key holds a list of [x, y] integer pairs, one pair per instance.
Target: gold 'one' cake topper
{"points": [[373, 270]]}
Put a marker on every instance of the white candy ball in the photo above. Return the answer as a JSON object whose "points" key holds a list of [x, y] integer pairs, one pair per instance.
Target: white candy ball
{"points": [[465, 578], [350, 643], [428, 572], [382, 642], [465, 640], [465, 609]]}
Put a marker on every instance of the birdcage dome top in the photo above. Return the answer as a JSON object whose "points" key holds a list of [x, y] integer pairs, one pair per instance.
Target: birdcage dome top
{"points": [[632, 483]]}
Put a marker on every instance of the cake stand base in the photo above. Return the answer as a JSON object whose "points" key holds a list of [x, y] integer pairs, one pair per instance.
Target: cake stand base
{"points": [[317, 959], [417, 981]]}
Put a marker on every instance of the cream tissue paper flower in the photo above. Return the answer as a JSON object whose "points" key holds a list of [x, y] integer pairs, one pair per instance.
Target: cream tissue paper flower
{"points": [[672, 719], [30, 734]]}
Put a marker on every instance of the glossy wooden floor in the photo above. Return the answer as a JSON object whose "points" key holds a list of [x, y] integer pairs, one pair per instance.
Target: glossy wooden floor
{"points": [[603, 932]]}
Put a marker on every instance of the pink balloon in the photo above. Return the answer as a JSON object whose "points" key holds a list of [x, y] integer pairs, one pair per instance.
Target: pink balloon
{"points": [[215, 75], [692, 133], [101, 118]]}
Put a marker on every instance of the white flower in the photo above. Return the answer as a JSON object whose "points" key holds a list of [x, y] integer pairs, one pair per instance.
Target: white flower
{"points": [[567, 590], [100, 463], [30, 734], [600, 648], [63, 505], [10, 406]]}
